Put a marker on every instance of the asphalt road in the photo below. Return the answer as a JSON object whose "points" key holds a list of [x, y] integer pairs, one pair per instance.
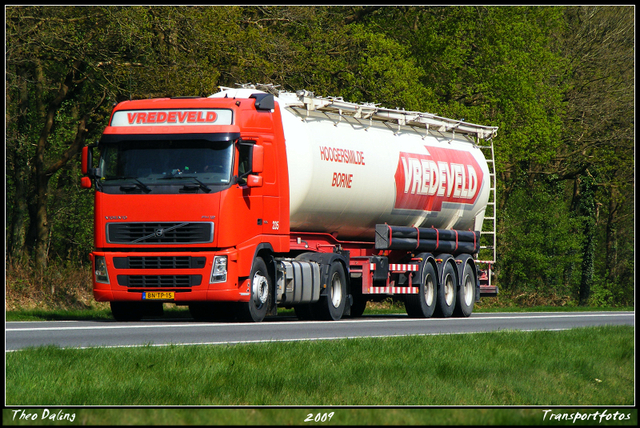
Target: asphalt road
{"points": [[82, 334]]}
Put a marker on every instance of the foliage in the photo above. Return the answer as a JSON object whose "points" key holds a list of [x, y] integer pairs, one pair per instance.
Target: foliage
{"points": [[541, 245], [558, 81]]}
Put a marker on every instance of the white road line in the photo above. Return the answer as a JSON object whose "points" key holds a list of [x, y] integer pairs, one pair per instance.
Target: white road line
{"points": [[297, 322]]}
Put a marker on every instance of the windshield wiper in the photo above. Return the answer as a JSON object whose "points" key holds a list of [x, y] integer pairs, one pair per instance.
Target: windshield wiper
{"points": [[137, 183], [200, 183]]}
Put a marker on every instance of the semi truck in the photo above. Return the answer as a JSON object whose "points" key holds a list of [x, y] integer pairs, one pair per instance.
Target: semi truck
{"points": [[254, 199]]}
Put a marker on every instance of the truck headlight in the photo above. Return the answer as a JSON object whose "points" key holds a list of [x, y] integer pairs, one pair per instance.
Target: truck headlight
{"points": [[219, 271], [100, 270]]}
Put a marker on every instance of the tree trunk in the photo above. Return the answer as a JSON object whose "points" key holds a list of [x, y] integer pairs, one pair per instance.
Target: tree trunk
{"points": [[42, 173], [588, 210], [16, 248], [17, 156], [611, 239]]}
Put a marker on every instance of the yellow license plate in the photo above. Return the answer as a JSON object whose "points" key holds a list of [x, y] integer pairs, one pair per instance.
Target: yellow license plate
{"points": [[158, 295]]}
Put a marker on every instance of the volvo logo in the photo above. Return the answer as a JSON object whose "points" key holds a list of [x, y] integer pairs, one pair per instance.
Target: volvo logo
{"points": [[159, 232], [115, 217]]}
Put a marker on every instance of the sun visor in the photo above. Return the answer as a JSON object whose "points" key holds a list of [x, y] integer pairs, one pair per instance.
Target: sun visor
{"points": [[214, 137]]}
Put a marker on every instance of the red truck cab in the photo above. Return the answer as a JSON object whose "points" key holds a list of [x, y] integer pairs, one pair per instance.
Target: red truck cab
{"points": [[187, 191]]}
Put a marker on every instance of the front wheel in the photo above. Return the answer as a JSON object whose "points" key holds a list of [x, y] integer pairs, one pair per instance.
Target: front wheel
{"points": [[260, 283]]}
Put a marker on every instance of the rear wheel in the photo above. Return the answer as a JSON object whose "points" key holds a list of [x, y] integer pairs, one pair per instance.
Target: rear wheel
{"points": [[359, 301], [423, 304], [466, 293], [447, 292], [358, 306], [331, 306], [260, 283]]}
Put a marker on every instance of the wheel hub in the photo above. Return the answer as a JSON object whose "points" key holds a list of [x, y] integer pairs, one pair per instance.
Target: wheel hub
{"points": [[336, 291], [260, 289]]}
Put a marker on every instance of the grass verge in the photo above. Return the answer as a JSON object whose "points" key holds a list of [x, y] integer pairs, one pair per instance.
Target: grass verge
{"points": [[579, 367]]}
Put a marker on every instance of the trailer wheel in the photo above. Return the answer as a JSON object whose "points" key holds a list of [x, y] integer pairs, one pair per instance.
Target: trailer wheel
{"points": [[466, 293], [331, 306], [260, 283], [423, 304], [447, 292]]}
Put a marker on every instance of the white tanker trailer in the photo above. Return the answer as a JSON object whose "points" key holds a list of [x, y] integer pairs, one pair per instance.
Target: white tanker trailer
{"points": [[350, 170]]}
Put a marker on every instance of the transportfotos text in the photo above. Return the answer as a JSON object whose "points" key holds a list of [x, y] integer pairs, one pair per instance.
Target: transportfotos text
{"points": [[598, 416]]}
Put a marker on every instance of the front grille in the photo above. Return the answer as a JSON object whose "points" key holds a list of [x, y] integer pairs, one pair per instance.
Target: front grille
{"points": [[159, 233], [158, 281], [159, 262]]}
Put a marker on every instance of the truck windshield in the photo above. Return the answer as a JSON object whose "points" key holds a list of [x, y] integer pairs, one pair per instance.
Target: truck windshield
{"points": [[210, 162]]}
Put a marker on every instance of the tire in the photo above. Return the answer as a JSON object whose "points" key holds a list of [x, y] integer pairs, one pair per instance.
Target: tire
{"points": [[466, 293], [447, 290], [359, 303], [423, 304], [261, 289], [332, 305], [126, 311], [358, 306]]}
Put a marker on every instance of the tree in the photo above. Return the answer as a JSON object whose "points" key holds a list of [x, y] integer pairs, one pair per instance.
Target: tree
{"points": [[598, 142], [44, 74]]}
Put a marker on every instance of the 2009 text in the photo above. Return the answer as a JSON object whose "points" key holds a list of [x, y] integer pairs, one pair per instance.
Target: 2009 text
{"points": [[319, 417]]}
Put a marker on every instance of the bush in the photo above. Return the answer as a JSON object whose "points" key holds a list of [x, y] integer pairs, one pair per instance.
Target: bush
{"points": [[60, 286], [541, 244]]}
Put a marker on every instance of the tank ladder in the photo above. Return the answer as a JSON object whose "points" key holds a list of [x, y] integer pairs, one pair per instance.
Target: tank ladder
{"points": [[488, 235]]}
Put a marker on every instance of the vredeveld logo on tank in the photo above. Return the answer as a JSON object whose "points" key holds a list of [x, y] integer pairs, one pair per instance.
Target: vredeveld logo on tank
{"points": [[425, 181]]}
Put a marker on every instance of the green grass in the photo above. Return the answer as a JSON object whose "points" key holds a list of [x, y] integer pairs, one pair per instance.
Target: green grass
{"points": [[579, 367]]}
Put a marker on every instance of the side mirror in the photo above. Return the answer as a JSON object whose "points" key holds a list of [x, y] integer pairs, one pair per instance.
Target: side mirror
{"points": [[85, 183], [254, 181], [87, 167], [257, 159], [86, 160]]}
